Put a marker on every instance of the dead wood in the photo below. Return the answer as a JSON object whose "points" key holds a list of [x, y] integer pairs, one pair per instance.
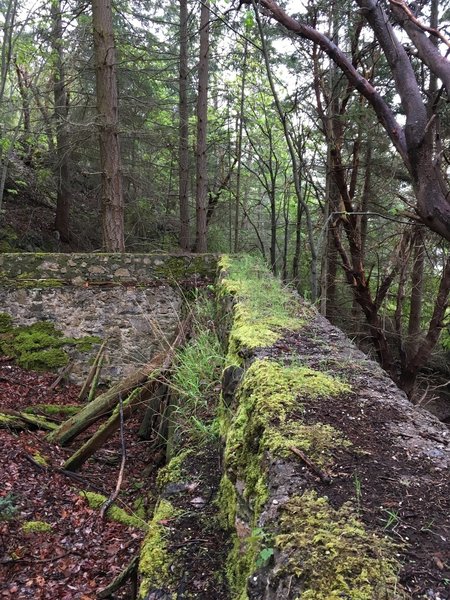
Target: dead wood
{"points": [[20, 420], [105, 403], [114, 495], [313, 467], [152, 413], [92, 371], [129, 571], [65, 372], [137, 396]]}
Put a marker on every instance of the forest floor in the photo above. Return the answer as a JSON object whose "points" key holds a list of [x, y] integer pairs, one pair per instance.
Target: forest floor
{"points": [[81, 553]]}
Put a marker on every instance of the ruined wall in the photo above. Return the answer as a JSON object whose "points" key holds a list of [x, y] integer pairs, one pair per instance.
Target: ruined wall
{"points": [[334, 485], [132, 301]]}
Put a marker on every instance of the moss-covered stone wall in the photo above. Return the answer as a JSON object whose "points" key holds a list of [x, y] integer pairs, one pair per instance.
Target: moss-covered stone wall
{"points": [[312, 435], [53, 269], [130, 301]]}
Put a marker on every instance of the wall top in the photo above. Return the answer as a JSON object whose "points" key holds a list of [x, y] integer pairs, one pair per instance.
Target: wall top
{"points": [[53, 270]]}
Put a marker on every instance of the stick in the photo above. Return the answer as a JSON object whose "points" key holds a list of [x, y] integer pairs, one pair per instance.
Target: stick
{"points": [[86, 385], [118, 582], [314, 468], [114, 495], [66, 371]]}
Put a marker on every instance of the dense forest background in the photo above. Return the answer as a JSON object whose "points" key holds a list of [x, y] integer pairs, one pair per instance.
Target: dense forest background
{"points": [[317, 140]]}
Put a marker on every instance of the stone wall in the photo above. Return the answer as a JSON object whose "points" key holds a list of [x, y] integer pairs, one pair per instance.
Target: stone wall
{"points": [[131, 301], [335, 485], [79, 269]]}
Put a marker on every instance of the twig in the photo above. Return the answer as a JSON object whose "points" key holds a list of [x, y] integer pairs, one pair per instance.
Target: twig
{"points": [[118, 582], [70, 474], [13, 561], [314, 468], [187, 543], [114, 495], [92, 371], [66, 371]]}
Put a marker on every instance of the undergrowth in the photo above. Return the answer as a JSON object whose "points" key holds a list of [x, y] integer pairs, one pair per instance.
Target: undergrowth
{"points": [[197, 372]]}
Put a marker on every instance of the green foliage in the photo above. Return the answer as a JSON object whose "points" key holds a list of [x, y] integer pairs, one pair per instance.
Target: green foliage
{"points": [[8, 507]]}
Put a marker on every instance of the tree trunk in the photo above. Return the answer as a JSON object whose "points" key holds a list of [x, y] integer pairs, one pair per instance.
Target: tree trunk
{"points": [[107, 109], [62, 170], [184, 129], [202, 124], [239, 148]]}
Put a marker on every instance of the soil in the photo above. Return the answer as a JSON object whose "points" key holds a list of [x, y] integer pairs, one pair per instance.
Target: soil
{"points": [[198, 545], [397, 489]]}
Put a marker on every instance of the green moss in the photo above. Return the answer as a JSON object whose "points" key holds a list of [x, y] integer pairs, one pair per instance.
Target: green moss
{"points": [[25, 281], [332, 554], [5, 323], [263, 309], [226, 501], [114, 512], [9, 421], [268, 394], [173, 471], [41, 460], [36, 527], [39, 346], [268, 420], [316, 440], [155, 559], [53, 409], [86, 343]]}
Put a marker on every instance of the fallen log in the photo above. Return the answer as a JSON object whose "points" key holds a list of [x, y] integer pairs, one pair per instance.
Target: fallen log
{"points": [[13, 419], [106, 402], [105, 431]]}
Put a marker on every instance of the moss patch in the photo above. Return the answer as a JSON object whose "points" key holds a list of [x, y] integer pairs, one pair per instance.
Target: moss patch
{"points": [[333, 555], [40, 346], [53, 409], [269, 393], [263, 308], [155, 559], [173, 471], [36, 527], [41, 460], [114, 512]]}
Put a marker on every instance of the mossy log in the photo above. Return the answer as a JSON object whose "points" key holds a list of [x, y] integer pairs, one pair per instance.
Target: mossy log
{"points": [[13, 419], [106, 402]]}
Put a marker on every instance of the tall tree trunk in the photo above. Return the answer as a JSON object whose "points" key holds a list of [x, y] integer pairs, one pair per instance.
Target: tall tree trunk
{"points": [[202, 124], [107, 109], [61, 159], [239, 148], [184, 129], [415, 310]]}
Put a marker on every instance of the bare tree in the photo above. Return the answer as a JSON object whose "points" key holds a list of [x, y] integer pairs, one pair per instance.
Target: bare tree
{"points": [[415, 142]]}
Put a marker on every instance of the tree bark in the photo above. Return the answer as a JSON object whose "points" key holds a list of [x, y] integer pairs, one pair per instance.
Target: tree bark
{"points": [[201, 244], [107, 109], [184, 129], [61, 159]]}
